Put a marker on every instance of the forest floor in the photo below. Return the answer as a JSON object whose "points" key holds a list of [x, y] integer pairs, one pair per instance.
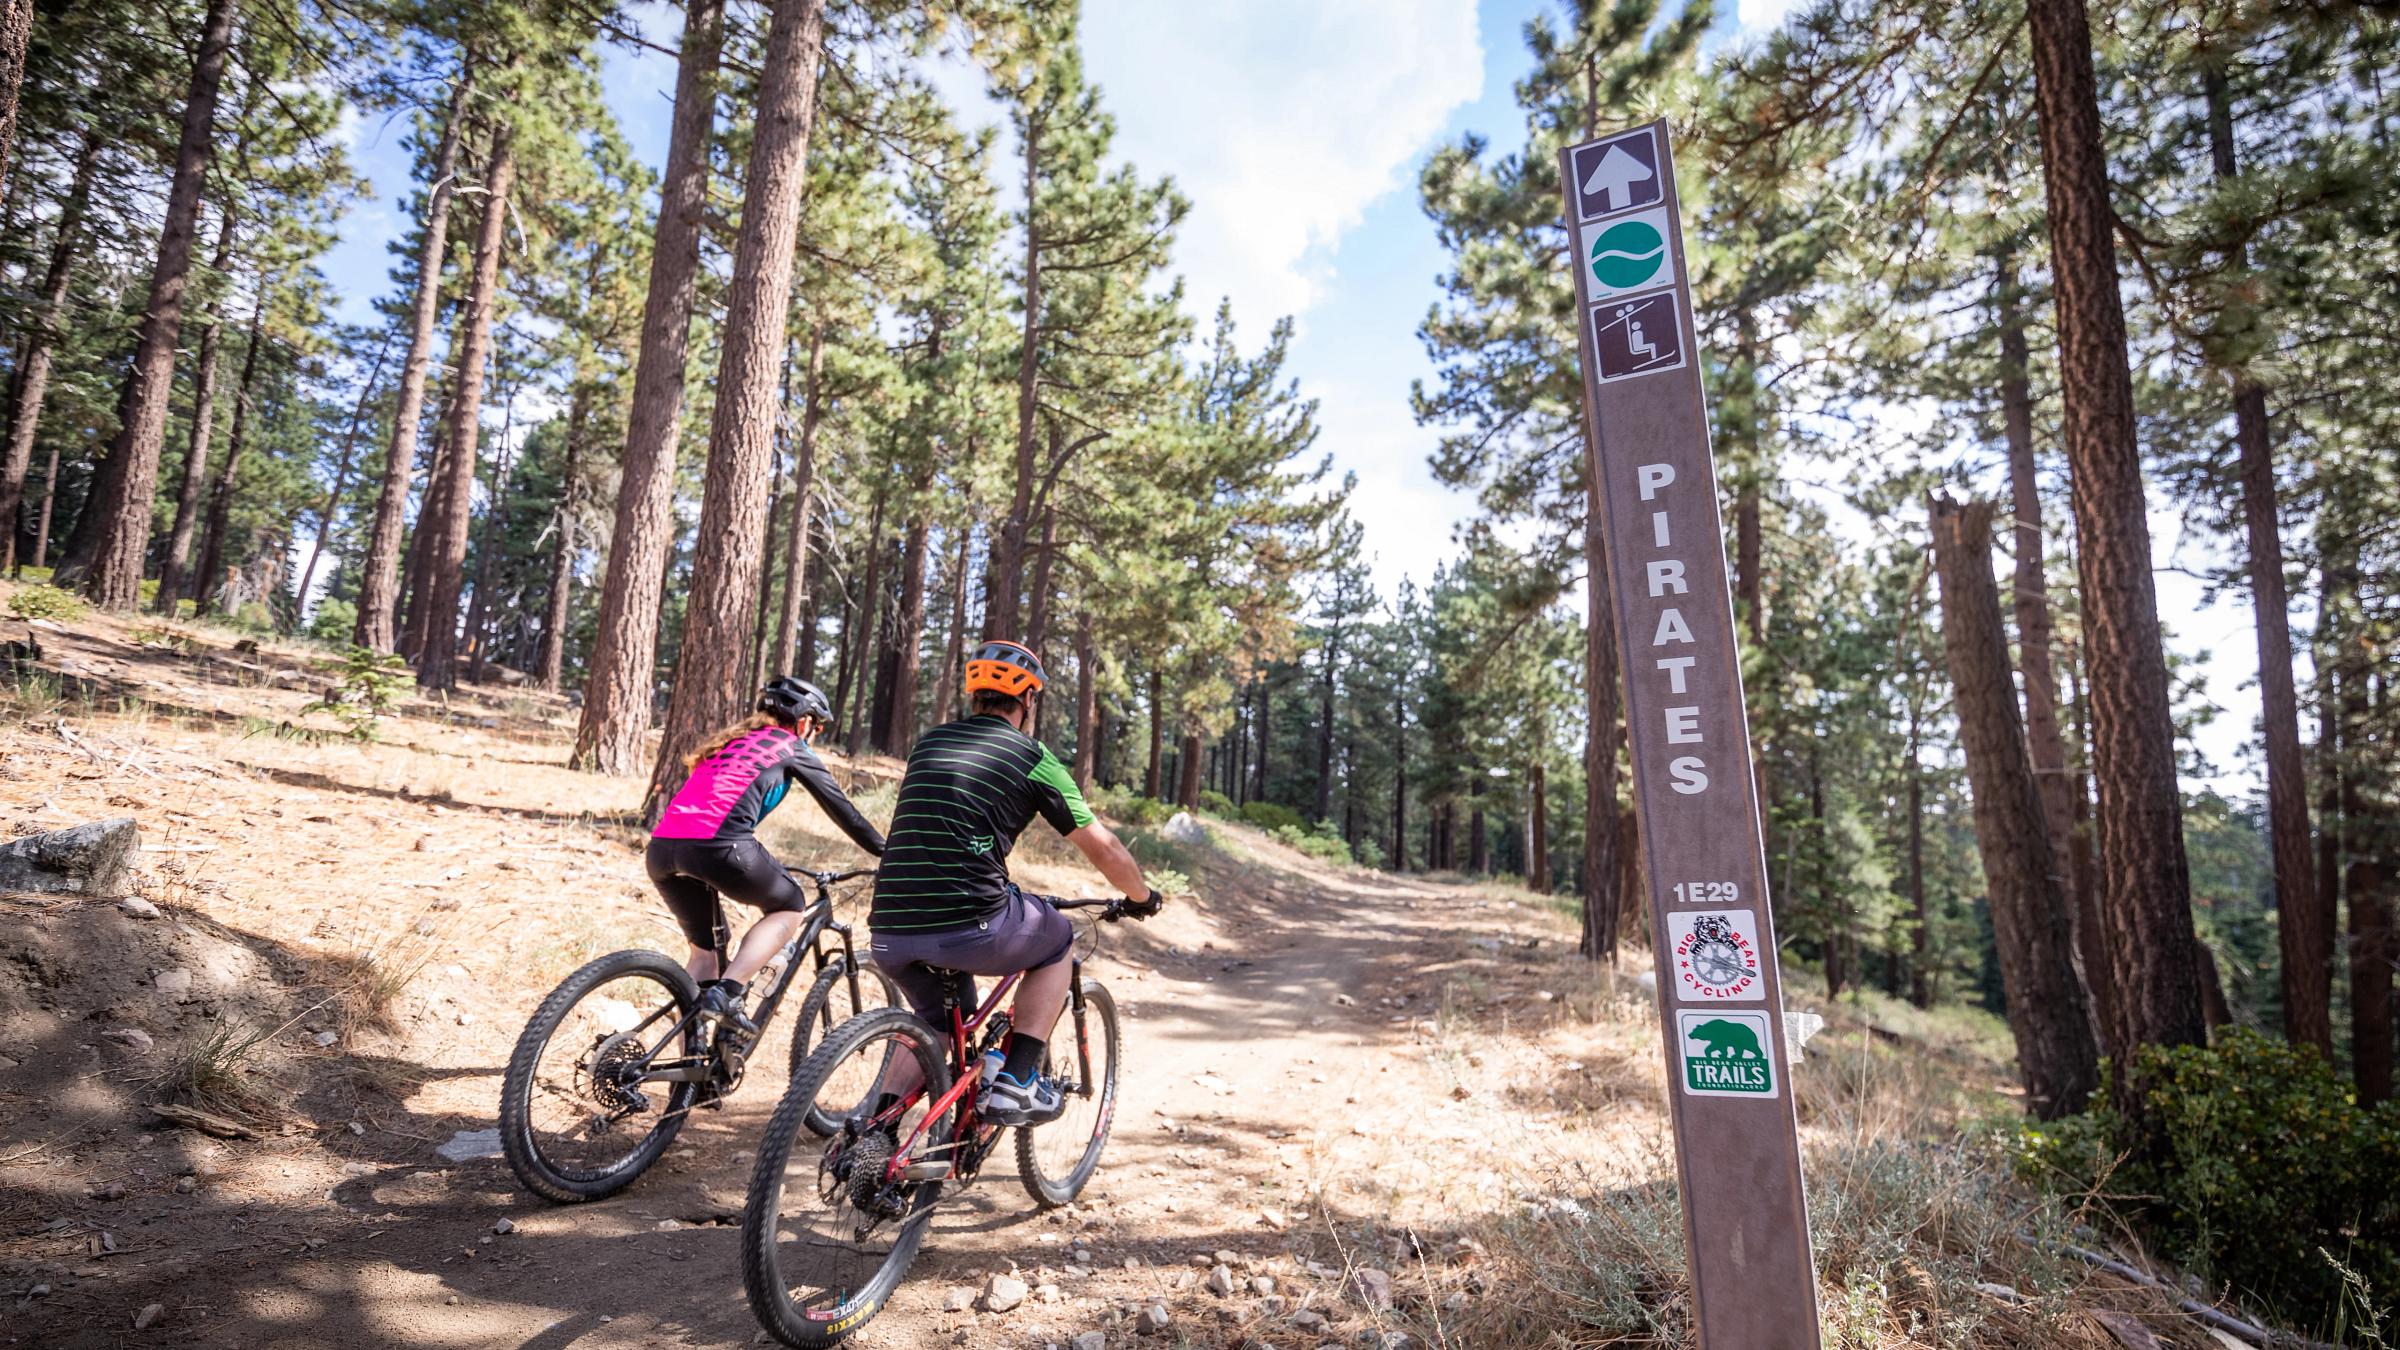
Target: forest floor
{"points": [[1393, 1106]]}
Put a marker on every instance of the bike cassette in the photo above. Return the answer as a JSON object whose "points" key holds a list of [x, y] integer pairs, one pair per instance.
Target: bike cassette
{"points": [[612, 1073]]}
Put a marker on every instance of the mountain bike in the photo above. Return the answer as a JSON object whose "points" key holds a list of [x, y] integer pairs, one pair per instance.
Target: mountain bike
{"points": [[616, 1057], [834, 1219]]}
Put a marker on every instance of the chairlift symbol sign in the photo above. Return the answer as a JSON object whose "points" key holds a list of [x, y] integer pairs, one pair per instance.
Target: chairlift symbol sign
{"points": [[1641, 335]]}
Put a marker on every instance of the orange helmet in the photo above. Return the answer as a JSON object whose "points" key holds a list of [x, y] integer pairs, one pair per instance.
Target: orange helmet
{"points": [[1004, 668]]}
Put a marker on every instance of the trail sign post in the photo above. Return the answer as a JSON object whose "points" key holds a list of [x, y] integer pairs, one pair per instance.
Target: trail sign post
{"points": [[1729, 1088]]}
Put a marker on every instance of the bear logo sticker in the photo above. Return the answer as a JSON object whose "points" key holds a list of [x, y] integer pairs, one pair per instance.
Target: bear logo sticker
{"points": [[1727, 1054], [1716, 956]]}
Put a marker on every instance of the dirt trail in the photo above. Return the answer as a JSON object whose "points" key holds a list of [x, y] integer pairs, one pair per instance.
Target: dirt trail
{"points": [[1288, 1074]]}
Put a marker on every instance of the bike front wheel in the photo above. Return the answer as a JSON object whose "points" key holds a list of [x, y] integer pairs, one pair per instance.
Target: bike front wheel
{"points": [[1056, 1160], [828, 1232], [577, 1120], [829, 1004]]}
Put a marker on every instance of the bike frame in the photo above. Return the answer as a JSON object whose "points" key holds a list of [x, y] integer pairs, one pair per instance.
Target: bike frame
{"points": [[698, 1068], [966, 1068]]}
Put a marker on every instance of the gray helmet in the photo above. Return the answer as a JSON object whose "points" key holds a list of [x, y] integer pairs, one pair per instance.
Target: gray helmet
{"points": [[789, 700]]}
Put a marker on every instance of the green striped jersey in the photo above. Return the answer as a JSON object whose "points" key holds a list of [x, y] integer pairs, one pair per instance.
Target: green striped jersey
{"points": [[972, 787]]}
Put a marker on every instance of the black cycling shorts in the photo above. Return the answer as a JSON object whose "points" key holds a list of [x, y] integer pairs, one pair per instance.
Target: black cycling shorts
{"points": [[693, 873]]}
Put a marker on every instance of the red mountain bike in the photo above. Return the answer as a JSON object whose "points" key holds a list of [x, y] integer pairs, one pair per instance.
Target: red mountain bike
{"points": [[833, 1224]]}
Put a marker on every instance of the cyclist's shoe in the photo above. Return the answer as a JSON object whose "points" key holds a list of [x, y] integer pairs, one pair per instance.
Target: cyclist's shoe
{"points": [[1008, 1101], [721, 1006]]}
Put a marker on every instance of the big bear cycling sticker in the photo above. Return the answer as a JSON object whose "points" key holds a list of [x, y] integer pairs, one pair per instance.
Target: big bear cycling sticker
{"points": [[1716, 956]]}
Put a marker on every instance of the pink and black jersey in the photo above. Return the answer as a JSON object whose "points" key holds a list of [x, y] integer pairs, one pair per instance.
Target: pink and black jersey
{"points": [[730, 791]]}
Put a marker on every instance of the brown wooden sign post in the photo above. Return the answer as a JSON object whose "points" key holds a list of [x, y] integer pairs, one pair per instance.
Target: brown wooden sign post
{"points": [[1720, 998]]}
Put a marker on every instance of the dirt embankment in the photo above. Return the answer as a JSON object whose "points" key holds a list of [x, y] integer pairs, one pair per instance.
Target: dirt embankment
{"points": [[1372, 1101]]}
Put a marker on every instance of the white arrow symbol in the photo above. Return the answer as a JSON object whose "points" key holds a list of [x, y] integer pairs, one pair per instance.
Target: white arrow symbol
{"points": [[1616, 175]]}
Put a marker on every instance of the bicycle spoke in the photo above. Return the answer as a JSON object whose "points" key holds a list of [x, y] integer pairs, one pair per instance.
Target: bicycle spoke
{"points": [[588, 1112]]}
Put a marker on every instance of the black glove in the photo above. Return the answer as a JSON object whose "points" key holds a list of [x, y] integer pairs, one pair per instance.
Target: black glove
{"points": [[1143, 909]]}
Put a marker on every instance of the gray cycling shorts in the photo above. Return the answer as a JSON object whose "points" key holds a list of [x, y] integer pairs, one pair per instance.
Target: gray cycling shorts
{"points": [[1025, 933]]}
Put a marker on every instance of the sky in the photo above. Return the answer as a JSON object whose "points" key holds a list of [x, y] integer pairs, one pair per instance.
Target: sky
{"points": [[1297, 128]]}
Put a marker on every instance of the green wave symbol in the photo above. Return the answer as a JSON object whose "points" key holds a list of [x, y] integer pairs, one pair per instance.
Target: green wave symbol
{"points": [[1628, 253]]}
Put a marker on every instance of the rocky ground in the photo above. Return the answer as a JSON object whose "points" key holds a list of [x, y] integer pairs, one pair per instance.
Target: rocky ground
{"points": [[1343, 1092]]}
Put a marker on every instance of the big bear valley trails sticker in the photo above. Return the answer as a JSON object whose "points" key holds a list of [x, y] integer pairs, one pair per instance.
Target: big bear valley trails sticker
{"points": [[1726, 1054], [1716, 956]]}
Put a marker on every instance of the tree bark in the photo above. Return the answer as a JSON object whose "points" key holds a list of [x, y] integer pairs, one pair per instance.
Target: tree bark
{"points": [[41, 528], [617, 692], [708, 691], [1325, 685], [479, 610], [562, 553], [1537, 869], [1400, 787], [1187, 791], [446, 553], [2145, 876], [1920, 969], [1087, 703], [1037, 618], [2304, 922], [341, 478], [1002, 581], [130, 478], [908, 641], [211, 574], [1150, 779], [1266, 732], [1603, 718], [2046, 1013], [172, 579], [16, 31], [796, 560], [379, 578], [1479, 858], [954, 644], [858, 648], [41, 347]]}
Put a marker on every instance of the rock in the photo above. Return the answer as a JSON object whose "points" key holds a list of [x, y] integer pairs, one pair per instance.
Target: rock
{"points": [[1003, 1292], [1373, 1288], [326, 1040], [1273, 1218], [469, 1145], [1152, 1320], [136, 907], [1220, 1281], [184, 1185], [358, 1169], [1384, 1340], [1045, 1293], [1088, 1340], [114, 1190], [1185, 828], [1344, 1001], [174, 985], [1228, 1258], [94, 858], [1262, 1285], [504, 1227], [1308, 1319], [958, 1301], [667, 1226], [148, 1316], [132, 1038]]}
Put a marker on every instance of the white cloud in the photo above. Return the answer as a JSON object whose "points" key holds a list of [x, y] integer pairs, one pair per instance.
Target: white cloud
{"points": [[1282, 120], [1406, 516], [1762, 16]]}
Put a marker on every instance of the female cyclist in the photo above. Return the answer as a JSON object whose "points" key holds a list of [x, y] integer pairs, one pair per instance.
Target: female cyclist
{"points": [[705, 847]]}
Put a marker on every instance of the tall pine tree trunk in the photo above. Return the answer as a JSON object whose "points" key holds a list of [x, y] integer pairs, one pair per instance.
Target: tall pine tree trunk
{"points": [[1002, 580], [796, 561], [1151, 787], [858, 636], [2030, 908], [1187, 789], [171, 574], [41, 527], [617, 692], [130, 479], [446, 554], [1537, 867], [16, 31], [947, 683], [708, 688], [2044, 742], [379, 576], [1037, 617], [1603, 727], [1400, 786], [480, 608], [1920, 966], [553, 657], [210, 576], [2146, 884], [909, 640], [1087, 703], [41, 348], [2303, 920], [341, 477], [1325, 684]]}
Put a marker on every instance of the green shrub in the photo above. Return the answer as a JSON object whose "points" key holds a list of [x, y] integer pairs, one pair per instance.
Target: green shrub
{"points": [[333, 622], [1318, 844], [1273, 816], [1216, 803], [1132, 808], [45, 602], [2264, 1175], [370, 684]]}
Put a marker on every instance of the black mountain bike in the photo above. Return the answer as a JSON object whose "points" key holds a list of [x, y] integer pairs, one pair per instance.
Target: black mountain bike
{"points": [[615, 1057], [835, 1217]]}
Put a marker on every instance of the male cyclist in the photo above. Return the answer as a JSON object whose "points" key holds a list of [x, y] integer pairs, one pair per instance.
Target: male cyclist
{"points": [[943, 898], [704, 846]]}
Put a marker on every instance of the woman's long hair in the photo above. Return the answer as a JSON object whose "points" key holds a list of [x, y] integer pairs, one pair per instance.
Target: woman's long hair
{"points": [[726, 736]]}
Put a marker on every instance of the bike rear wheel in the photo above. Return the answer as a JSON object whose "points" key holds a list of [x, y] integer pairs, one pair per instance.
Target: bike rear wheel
{"points": [[824, 1243], [575, 1121], [827, 1007], [1056, 1160]]}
